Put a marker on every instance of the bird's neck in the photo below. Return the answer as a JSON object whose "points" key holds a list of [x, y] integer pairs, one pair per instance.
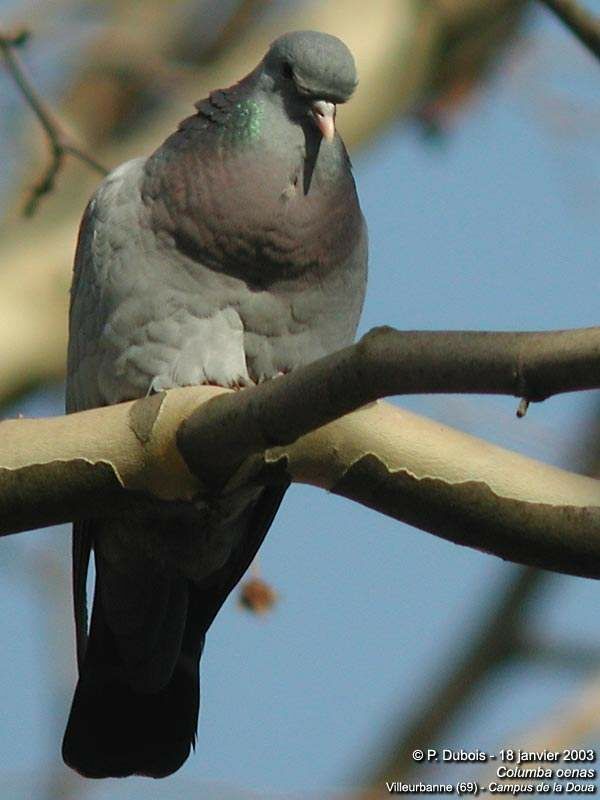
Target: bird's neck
{"points": [[233, 122], [229, 119], [240, 188]]}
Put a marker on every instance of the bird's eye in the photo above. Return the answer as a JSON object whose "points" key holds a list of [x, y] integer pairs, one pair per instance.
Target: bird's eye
{"points": [[287, 71]]}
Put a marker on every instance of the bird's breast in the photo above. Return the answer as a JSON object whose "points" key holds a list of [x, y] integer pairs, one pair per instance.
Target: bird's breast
{"points": [[258, 218]]}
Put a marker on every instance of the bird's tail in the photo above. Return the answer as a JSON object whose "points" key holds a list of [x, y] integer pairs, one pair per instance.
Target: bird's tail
{"points": [[115, 730], [135, 710]]}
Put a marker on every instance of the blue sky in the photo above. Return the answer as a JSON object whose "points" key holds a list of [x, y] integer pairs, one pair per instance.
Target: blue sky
{"points": [[496, 228]]}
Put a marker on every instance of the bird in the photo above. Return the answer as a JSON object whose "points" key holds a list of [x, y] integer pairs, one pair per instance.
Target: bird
{"points": [[233, 254]]}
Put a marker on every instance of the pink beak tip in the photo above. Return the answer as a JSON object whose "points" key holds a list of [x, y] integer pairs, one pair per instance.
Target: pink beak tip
{"points": [[323, 113]]}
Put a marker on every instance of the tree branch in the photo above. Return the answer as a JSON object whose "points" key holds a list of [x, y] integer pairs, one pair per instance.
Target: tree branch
{"points": [[60, 144], [583, 24], [388, 362], [168, 449], [450, 484]]}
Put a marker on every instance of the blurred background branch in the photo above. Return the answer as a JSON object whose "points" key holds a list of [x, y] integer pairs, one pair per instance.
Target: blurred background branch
{"points": [[585, 26], [460, 678]]}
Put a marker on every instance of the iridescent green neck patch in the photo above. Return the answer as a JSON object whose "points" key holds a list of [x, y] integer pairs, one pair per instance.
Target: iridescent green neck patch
{"points": [[243, 124]]}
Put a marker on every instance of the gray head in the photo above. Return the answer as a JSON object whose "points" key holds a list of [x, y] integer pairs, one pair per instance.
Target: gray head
{"points": [[313, 71]]}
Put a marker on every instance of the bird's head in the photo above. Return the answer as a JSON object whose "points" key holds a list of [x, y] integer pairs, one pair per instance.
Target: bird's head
{"points": [[312, 72]]}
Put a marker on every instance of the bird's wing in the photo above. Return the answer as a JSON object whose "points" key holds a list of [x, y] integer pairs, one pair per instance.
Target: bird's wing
{"points": [[137, 323], [98, 253]]}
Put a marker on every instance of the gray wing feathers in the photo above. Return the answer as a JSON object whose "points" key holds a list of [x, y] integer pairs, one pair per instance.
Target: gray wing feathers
{"points": [[136, 326], [138, 321]]}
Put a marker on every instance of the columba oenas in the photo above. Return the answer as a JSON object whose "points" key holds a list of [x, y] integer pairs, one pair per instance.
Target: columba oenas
{"points": [[236, 252]]}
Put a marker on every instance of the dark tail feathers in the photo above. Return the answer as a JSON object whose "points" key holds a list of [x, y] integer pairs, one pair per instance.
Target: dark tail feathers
{"points": [[114, 731]]}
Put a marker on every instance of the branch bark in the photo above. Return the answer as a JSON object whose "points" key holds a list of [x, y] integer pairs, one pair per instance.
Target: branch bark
{"points": [[176, 446], [388, 362]]}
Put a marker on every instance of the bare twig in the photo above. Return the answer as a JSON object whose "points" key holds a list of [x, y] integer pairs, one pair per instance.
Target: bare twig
{"points": [[60, 143], [585, 26]]}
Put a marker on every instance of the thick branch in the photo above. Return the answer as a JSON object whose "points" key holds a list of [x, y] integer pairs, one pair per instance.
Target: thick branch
{"points": [[585, 26], [388, 362], [451, 484], [95, 463]]}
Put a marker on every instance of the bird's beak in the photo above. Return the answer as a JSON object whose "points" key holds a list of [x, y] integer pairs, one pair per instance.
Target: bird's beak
{"points": [[323, 114]]}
